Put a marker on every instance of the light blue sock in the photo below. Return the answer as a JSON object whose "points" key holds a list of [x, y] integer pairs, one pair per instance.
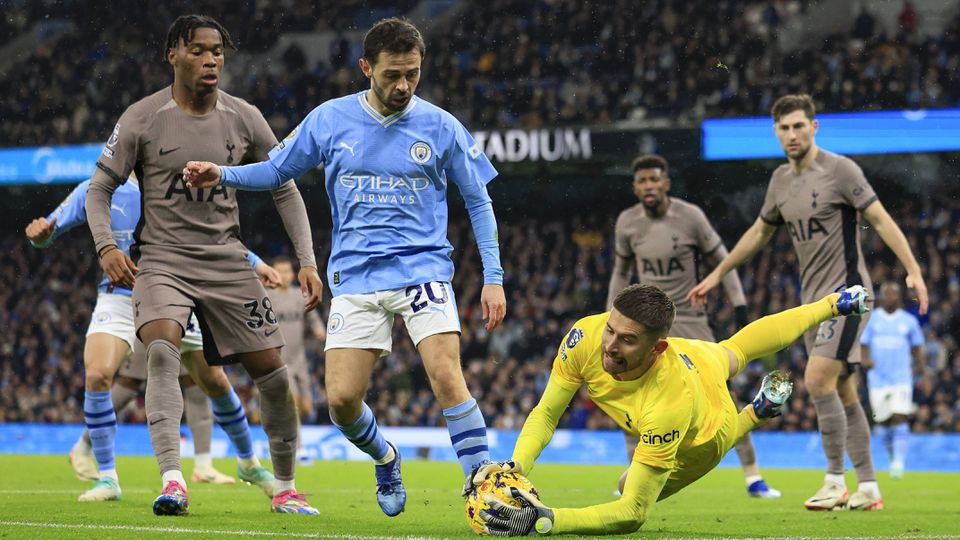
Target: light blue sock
{"points": [[883, 433], [229, 415], [365, 435], [468, 434], [101, 422], [901, 439]]}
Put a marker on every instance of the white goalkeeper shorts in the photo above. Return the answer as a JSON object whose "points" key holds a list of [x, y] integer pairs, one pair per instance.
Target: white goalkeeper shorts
{"points": [[365, 321], [891, 400]]}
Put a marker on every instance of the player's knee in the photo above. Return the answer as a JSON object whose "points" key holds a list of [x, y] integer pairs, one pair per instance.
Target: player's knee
{"points": [[622, 482], [214, 383], [819, 383], [98, 380], [344, 406]]}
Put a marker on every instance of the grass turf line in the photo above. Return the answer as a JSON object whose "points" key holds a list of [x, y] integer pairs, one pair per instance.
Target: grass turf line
{"points": [[38, 500]]}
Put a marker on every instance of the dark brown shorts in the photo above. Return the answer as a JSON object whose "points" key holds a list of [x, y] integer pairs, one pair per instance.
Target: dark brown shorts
{"points": [[692, 328], [837, 338], [235, 316]]}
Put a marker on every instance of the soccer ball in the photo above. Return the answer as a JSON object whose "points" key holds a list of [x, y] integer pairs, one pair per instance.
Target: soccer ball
{"points": [[497, 484]]}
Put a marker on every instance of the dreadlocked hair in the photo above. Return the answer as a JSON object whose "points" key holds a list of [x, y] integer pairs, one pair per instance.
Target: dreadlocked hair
{"points": [[186, 25]]}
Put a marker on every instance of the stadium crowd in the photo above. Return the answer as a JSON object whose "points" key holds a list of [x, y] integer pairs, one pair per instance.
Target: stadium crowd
{"points": [[556, 272], [504, 62]]}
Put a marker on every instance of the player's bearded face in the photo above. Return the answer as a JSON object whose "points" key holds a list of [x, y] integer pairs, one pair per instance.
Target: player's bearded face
{"points": [[199, 63], [394, 78], [626, 345], [651, 187], [795, 132]]}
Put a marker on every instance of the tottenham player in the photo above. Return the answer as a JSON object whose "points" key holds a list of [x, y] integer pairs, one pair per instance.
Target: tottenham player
{"points": [[819, 196], [187, 256], [288, 307], [669, 392], [662, 238], [111, 338], [389, 157]]}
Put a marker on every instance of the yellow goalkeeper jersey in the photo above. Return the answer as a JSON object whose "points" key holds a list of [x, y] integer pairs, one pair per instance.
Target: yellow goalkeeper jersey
{"points": [[679, 404]]}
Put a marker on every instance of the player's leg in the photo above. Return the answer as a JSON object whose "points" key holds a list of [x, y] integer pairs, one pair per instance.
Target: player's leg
{"points": [[123, 391], [820, 377], [300, 388], [164, 407], [347, 377], [433, 323], [279, 417], [867, 496], [360, 332], [756, 485], [900, 440], [228, 412], [102, 356]]}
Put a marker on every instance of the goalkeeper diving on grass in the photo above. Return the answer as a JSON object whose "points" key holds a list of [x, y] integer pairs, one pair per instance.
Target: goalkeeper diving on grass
{"points": [[669, 392]]}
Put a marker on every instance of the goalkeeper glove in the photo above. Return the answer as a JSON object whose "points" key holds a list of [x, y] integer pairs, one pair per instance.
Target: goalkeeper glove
{"points": [[532, 518], [482, 470]]}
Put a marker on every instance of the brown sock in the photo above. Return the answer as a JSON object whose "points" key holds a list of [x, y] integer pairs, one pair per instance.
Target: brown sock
{"points": [[833, 429], [164, 403], [858, 442], [746, 452], [199, 417], [279, 416]]}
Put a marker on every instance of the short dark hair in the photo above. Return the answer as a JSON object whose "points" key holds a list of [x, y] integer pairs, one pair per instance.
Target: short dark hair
{"points": [[650, 161], [185, 26], [647, 305], [394, 35], [793, 102], [281, 259]]}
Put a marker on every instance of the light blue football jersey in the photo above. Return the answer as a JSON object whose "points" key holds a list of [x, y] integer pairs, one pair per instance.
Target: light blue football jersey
{"points": [[890, 337], [386, 178], [124, 216]]}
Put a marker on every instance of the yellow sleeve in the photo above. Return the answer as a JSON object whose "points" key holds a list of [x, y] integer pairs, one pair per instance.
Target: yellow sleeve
{"points": [[772, 333], [542, 422], [565, 380], [625, 515]]}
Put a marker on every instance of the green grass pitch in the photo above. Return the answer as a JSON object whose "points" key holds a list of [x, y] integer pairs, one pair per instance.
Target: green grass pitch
{"points": [[38, 500]]}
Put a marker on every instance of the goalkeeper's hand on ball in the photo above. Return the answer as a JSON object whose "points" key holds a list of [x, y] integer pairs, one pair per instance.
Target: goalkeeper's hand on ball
{"points": [[531, 518], [483, 470]]}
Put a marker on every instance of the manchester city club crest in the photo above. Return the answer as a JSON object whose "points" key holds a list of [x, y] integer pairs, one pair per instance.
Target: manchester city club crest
{"points": [[421, 152], [335, 324]]}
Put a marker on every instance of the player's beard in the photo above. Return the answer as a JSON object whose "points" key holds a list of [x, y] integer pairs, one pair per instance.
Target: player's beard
{"points": [[385, 100]]}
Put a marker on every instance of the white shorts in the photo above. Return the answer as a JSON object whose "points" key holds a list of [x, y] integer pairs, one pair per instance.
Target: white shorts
{"points": [[365, 321], [891, 400], [113, 315]]}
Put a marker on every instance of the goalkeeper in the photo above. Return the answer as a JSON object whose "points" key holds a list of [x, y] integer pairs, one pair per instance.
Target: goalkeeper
{"points": [[669, 392]]}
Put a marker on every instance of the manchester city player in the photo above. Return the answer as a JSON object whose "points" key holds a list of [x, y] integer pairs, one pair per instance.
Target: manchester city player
{"points": [[890, 341], [388, 158], [110, 339]]}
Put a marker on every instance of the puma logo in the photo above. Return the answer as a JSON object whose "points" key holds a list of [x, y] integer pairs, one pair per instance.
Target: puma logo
{"points": [[349, 147], [118, 208], [165, 152]]}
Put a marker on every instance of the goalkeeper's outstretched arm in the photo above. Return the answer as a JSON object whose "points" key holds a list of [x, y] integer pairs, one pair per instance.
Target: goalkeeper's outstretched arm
{"points": [[625, 515], [542, 422]]}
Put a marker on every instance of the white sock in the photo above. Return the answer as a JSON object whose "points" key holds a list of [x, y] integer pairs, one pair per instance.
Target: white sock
{"points": [[203, 460], [836, 479], [753, 478], [284, 485], [112, 473], [173, 476], [870, 488], [387, 458], [248, 463]]}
